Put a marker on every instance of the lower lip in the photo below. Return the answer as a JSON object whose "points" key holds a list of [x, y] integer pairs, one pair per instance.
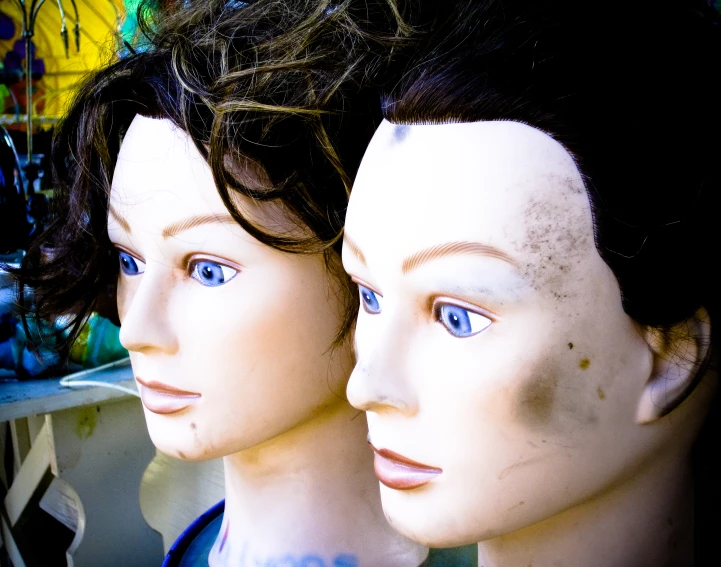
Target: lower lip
{"points": [[164, 403], [399, 475]]}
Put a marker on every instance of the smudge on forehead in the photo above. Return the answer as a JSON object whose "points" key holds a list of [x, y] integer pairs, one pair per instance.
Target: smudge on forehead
{"points": [[558, 235]]}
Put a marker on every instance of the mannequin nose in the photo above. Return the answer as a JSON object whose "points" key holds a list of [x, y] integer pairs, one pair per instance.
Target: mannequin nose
{"points": [[378, 382], [145, 315]]}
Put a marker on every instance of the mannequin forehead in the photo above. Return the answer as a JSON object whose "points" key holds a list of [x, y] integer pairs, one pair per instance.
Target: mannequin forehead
{"points": [[161, 176], [160, 169], [504, 184]]}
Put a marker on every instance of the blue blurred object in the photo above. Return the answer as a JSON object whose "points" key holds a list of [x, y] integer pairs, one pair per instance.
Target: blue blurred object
{"points": [[7, 26], [13, 62], [19, 48]]}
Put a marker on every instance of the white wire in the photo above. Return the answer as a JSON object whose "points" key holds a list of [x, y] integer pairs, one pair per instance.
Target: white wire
{"points": [[71, 380], [87, 383]]}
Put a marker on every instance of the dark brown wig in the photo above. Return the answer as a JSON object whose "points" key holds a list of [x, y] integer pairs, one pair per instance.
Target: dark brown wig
{"points": [[630, 89], [278, 87]]}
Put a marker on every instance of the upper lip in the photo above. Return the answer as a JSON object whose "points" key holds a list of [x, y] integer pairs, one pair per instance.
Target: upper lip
{"points": [[166, 388], [397, 457]]}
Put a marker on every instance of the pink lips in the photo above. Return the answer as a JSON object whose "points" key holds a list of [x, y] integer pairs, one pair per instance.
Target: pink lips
{"points": [[164, 399], [401, 473]]}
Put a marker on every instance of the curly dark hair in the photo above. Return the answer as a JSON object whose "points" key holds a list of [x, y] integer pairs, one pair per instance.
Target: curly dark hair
{"points": [[281, 88]]}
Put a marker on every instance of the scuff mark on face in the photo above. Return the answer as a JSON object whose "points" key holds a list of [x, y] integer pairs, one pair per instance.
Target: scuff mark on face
{"points": [[400, 132], [536, 398], [523, 463]]}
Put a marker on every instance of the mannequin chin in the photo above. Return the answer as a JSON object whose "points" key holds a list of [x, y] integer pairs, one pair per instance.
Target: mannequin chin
{"points": [[493, 347], [231, 345]]}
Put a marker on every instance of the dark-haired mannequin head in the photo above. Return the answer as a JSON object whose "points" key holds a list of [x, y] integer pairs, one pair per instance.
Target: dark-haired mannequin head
{"points": [[527, 384], [493, 346]]}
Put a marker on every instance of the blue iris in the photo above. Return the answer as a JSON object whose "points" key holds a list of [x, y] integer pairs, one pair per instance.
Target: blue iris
{"points": [[370, 301], [212, 274], [460, 322], [129, 265]]}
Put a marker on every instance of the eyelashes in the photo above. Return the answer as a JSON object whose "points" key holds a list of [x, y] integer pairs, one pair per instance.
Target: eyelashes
{"points": [[208, 273], [458, 320], [211, 274], [130, 265], [371, 301]]}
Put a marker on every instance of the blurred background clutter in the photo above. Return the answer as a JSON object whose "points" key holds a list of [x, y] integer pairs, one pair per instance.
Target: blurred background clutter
{"points": [[46, 48], [73, 443]]}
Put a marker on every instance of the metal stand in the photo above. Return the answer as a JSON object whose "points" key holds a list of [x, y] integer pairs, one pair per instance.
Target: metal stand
{"points": [[29, 16]]}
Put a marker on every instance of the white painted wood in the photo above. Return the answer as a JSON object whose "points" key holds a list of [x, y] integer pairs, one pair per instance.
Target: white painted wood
{"points": [[12, 549], [102, 452], [35, 424], [20, 438], [4, 440], [34, 397], [98, 440], [173, 493], [40, 462]]}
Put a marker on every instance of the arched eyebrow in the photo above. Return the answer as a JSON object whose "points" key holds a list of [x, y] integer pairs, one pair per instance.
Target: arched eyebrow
{"points": [[179, 226], [119, 219], [454, 248], [353, 247], [192, 222], [447, 249]]}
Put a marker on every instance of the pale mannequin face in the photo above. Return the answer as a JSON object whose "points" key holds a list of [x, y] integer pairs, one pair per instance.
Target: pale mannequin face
{"points": [[243, 329], [531, 410]]}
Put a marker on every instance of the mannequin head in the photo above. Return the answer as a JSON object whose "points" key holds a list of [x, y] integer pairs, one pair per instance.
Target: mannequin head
{"points": [[250, 302], [535, 327], [184, 131]]}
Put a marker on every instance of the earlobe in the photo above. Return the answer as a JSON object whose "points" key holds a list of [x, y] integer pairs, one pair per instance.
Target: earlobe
{"points": [[678, 354]]}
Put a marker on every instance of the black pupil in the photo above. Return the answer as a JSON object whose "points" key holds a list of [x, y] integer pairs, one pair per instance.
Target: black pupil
{"points": [[207, 272]]}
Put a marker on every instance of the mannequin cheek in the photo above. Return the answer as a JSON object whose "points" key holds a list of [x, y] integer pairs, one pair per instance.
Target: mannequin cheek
{"points": [[124, 293], [557, 396]]}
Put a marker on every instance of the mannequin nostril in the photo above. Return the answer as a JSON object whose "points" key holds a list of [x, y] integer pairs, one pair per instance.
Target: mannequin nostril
{"points": [[372, 390]]}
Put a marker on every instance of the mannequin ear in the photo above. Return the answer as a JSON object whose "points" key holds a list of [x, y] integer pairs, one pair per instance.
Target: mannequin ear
{"points": [[678, 354]]}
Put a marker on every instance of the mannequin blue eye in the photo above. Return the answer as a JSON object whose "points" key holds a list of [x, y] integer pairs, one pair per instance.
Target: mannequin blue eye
{"points": [[460, 322], [370, 300], [129, 265], [212, 274]]}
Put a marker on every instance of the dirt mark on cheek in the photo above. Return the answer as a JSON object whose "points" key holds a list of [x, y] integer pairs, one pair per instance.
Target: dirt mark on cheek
{"points": [[555, 393], [535, 399]]}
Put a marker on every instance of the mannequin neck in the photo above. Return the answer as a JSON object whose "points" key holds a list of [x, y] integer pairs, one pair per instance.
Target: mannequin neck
{"points": [[644, 522], [309, 495]]}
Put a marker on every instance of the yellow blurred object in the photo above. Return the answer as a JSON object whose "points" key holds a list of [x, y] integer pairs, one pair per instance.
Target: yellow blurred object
{"points": [[100, 22]]}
